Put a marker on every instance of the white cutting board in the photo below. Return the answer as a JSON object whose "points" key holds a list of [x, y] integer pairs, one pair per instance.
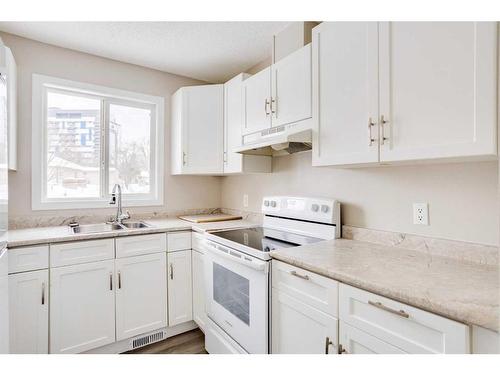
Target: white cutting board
{"points": [[209, 218]]}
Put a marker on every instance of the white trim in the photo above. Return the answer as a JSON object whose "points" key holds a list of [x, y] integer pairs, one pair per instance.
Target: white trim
{"points": [[40, 84]]}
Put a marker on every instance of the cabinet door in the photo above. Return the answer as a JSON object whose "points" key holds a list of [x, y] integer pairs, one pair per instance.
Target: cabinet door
{"points": [[141, 294], [300, 329], [355, 341], [29, 312], [233, 115], [180, 292], [82, 307], [438, 89], [291, 88], [257, 102], [345, 93], [202, 129], [199, 311]]}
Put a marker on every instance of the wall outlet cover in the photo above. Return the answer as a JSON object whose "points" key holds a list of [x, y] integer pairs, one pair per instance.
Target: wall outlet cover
{"points": [[245, 200], [421, 213]]}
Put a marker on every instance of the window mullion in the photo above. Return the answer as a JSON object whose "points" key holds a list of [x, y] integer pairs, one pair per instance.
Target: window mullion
{"points": [[104, 162]]}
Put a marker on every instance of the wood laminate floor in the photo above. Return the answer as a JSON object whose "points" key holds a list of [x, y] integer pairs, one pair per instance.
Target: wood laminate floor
{"points": [[192, 342]]}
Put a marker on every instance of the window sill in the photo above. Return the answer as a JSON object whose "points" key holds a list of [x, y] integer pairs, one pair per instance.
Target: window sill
{"points": [[79, 204]]}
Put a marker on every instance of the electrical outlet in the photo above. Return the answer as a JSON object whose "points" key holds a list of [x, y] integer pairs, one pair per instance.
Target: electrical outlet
{"points": [[245, 200], [421, 213]]}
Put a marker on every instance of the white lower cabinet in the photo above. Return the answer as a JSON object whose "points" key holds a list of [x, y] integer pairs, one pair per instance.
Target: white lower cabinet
{"points": [[82, 308], [199, 310], [355, 341], [141, 298], [180, 303], [29, 312], [301, 329]]}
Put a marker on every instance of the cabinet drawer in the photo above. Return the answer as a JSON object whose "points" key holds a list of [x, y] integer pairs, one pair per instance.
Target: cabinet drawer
{"points": [[140, 245], [78, 252], [179, 241], [408, 328], [198, 241], [317, 291], [28, 258]]}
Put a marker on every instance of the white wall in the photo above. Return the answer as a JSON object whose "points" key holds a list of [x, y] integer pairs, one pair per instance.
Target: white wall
{"points": [[462, 197], [181, 192]]}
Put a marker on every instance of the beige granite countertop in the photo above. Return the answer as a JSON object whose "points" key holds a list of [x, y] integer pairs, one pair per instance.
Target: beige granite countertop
{"points": [[464, 291], [44, 235]]}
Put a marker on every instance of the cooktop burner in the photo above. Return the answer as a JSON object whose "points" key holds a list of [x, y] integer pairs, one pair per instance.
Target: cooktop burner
{"points": [[265, 239]]}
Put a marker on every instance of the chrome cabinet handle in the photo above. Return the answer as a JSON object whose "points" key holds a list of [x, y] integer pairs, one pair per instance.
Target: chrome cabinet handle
{"points": [[43, 293], [274, 108], [379, 305], [342, 350], [171, 271], [383, 138], [266, 103], [370, 125], [183, 158], [119, 280], [111, 281], [294, 273], [328, 342]]}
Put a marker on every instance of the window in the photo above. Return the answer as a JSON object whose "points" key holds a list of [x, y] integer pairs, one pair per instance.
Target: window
{"points": [[88, 138]]}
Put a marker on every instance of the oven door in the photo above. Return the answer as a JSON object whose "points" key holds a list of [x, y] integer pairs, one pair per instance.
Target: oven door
{"points": [[237, 295]]}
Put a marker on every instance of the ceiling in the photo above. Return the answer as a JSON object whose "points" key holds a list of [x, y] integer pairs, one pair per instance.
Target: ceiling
{"points": [[209, 51]]}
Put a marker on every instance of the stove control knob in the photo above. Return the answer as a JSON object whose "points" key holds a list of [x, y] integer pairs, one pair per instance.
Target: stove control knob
{"points": [[315, 208], [273, 203], [266, 203], [324, 208]]}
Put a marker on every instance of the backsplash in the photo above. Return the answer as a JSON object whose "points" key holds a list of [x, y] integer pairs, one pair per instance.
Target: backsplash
{"points": [[21, 222], [459, 250]]}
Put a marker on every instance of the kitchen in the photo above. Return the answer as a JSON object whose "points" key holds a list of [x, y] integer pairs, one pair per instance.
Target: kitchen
{"points": [[322, 188]]}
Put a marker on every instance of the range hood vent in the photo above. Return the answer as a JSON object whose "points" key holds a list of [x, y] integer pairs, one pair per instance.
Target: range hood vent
{"points": [[280, 140]]}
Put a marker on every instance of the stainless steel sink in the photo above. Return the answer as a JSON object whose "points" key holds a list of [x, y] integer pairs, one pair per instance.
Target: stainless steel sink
{"points": [[96, 228], [135, 225]]}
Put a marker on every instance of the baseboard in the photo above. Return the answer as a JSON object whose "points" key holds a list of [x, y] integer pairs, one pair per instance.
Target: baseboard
{"points": [[126, 345]]}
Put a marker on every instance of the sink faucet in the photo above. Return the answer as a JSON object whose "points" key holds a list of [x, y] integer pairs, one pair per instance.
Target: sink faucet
{"points": [[116, 194]]}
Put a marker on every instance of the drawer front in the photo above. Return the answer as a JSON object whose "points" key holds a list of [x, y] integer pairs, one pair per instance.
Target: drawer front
{"points": [[198, 241], [28, 258], [406, 327], [78, 252], [141, 245], [179, 241], [316, 291]]}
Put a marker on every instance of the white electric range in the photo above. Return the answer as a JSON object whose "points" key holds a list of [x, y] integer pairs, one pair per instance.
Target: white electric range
{"points": [[237, 269]]}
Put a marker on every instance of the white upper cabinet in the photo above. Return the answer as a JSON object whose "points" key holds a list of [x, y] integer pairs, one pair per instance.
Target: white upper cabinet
{"points": [[279, 94], [141, 294], [291, 88], [233, 119], [197, 130], [29, 312], [257, 102], [8, 68], [438, 89], [345, 93], [402, 91]]}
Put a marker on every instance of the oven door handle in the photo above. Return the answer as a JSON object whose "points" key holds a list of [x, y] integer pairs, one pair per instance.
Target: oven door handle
{"points": [[254, 264]]}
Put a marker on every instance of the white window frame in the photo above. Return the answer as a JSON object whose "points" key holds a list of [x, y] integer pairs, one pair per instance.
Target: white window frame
{"points": [[41, 84]]}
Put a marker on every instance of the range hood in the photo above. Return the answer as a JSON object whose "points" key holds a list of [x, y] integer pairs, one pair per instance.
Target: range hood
{"points": [[279, 140]]}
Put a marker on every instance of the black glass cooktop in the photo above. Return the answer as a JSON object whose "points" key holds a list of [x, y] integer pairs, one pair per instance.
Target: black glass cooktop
{"points": [[265, 239]]}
